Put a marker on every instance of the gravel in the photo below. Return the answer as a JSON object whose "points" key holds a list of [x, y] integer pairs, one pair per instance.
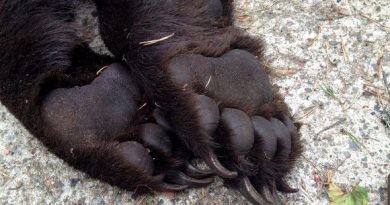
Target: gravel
{"points": [[331, 62]]}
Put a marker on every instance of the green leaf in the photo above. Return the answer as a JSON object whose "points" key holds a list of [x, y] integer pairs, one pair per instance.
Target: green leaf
{"points": [[358, 195]]}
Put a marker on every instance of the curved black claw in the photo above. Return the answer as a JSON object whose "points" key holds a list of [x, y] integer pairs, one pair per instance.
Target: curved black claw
{"points": [[166, 187], [178, 177], [246, 188], [275, 195], [266, 193], [208, 114], [196, 173], [284, 187], [213, 162]]}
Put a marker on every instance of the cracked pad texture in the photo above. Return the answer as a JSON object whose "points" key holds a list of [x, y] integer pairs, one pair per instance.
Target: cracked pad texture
{"points": [[302, 38]]}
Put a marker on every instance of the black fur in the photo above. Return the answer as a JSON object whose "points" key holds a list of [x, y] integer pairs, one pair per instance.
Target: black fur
{"points": [[44, 52]]}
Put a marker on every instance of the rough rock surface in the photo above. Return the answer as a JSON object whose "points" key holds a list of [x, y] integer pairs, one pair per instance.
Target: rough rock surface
{"points": [[331, 60]]}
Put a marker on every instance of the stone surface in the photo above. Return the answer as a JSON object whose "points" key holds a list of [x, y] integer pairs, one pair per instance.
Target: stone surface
{"points": [[331, 61]]}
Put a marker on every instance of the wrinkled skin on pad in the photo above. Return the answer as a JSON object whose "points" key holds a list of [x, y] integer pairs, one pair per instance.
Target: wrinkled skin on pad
{"points": [[154, 137], [208, 113], [240, 87], [263, 131], [105, 108], [240, 130], [96, 111], [114, 84], [241, 135], [258, 145], [137, 156], [284, 138], [235, 79], [159, 144], [121, 143]]}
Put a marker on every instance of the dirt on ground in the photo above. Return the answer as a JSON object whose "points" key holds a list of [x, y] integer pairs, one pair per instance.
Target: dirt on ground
{"points": [[331, 60]]}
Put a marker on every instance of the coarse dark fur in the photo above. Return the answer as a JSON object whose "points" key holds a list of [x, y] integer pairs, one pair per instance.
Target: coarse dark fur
{"points": [[194, 32], [45, 51]]}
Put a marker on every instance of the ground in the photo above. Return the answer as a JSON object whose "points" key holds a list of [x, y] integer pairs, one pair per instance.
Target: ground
{"points": [[331, 60]]}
